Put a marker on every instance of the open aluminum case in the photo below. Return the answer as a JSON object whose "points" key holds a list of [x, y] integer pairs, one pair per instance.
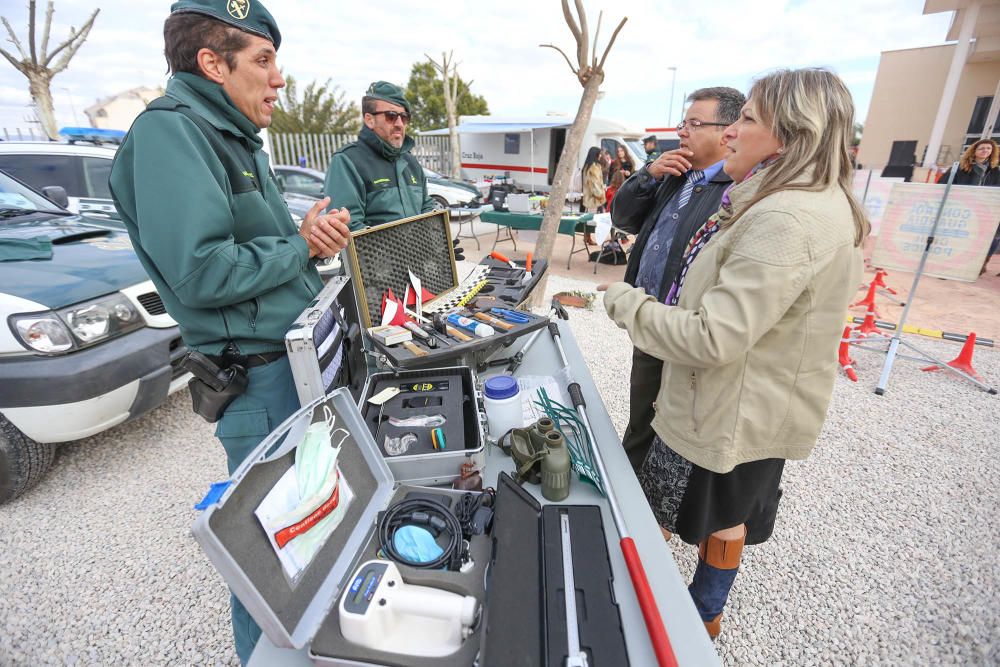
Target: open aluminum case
{"points": [[325, 345], [305, 613], [380, 258], [326, 351]]}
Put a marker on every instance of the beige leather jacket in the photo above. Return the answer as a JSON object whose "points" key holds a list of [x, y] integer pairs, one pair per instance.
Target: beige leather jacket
{"points": [[751, 347]]}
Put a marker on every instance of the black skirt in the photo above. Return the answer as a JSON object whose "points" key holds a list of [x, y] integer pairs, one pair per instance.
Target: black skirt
{"points": [[693, 502]]}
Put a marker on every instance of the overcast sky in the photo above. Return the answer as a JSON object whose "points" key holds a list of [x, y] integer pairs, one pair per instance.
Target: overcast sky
{"points": [[726, 42]]}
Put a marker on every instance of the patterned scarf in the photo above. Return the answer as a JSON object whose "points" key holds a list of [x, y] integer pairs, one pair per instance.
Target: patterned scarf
{"points": [[707, 231]]}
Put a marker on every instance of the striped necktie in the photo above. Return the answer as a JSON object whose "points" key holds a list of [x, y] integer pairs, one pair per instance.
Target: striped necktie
{"points": [[693, 177]]}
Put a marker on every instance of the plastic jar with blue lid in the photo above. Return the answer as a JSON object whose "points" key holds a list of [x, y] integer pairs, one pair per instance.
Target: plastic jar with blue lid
{"points": [[503, 405]]}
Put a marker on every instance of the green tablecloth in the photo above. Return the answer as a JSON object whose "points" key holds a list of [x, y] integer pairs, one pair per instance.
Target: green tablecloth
{"points": [[567, 225]]}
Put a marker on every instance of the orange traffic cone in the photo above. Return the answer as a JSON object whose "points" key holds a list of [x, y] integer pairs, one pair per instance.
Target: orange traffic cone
{"points": [[868, 326], [845, 356], [869, 300], [879, 281], [963, 362]]}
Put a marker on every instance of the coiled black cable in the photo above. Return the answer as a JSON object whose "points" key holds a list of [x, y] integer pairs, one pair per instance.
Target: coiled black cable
{"points": [[427, 513]]}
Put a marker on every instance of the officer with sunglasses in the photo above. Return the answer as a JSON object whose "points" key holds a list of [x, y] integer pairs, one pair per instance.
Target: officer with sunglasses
{"points": [[376, 178]]}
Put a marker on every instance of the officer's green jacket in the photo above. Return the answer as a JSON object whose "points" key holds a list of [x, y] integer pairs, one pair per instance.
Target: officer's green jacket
{"points": [[376, 182], [227, 266]]}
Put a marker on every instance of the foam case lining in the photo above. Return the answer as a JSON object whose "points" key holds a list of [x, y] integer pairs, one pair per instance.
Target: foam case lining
{"points": [[381, 258], [330, 648]]}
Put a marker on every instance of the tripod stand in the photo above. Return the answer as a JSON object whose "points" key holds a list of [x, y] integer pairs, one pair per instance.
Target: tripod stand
{"points": [[894, 343]]}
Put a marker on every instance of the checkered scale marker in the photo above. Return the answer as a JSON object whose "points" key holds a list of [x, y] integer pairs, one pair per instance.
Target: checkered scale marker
{"points": [[460, 295]]}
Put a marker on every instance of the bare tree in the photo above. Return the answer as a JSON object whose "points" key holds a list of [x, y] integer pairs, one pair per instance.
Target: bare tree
{"points": [[448, 69], [589, 71], [37, 63]]}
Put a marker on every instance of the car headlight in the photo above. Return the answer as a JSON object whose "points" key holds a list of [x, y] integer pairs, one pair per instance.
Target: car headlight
{"points": [[43, 332], [78, 326]]}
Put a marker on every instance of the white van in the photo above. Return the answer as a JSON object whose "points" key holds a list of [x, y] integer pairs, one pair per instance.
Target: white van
{"points": [[527, 148]]}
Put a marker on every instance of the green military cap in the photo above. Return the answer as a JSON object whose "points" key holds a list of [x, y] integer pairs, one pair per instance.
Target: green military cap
{"points": [[247, 15], [388, 92]]}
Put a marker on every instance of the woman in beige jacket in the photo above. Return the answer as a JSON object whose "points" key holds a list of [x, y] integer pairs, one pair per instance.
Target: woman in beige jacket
{"points": [[750, 330]]}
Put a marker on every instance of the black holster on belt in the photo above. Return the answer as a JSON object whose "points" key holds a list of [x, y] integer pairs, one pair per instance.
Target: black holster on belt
{"points": [[213, 387]]}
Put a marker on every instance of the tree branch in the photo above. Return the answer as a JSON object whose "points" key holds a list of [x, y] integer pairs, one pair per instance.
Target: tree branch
{"points": [[614, 36], [568, 61], [31, 31], [48, 26], [597, 35], [73, 35], [573, 27], [13, 38], [437, 68], [583, 46], [18, 65]]}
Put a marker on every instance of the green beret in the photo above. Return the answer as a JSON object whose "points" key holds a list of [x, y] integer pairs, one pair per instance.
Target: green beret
{"points": [[247, 15], [388, 92]]}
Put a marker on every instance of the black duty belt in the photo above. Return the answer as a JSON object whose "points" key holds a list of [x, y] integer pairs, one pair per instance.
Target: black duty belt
{"points": [[250, 360]]}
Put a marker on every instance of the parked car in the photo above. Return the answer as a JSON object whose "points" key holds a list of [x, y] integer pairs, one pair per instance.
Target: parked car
{"points": [[85, 342], [82, 171], [446, 192]]}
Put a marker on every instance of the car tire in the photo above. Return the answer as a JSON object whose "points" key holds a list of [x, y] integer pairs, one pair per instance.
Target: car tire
{"points": [[23, 462], [440, 203]]}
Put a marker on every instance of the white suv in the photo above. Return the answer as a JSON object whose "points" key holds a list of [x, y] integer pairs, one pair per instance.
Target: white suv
{"points": [[81, 170]]}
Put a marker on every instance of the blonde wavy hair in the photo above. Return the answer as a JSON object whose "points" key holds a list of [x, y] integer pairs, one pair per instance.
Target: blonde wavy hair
{"points": [[969, 156], [811, 113]]}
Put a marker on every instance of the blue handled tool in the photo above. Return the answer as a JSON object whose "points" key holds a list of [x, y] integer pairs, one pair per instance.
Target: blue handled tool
{"points": [[510, 315]]}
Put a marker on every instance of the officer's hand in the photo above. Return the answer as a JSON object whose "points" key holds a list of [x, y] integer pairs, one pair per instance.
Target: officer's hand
{"points": [[325, 233], [332, 230], [459, 251], [675, 163]]}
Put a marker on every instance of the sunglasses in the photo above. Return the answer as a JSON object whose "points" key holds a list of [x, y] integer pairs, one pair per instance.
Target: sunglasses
{"points": [[392, 116]]}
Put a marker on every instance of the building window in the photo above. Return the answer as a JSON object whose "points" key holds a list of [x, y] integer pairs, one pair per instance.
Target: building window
{"points": [[512, 144], [980, 112]]}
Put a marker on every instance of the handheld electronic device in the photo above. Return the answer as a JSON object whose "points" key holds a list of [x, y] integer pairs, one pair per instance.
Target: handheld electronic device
{"points": [[381, 611]]}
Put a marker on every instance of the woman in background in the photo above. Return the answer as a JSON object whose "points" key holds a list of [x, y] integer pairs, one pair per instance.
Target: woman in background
{"points": [[978, 166], [750, 328], [623, 163], [592, 180]]}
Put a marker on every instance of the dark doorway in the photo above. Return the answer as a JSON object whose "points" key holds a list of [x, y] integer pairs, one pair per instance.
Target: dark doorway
{"points": [[556, 142]]}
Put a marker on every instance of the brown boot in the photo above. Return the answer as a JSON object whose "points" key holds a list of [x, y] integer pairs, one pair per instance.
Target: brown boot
{"points": [[718, 562]]}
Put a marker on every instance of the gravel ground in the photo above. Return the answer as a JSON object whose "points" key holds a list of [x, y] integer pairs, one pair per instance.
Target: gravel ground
{"points": [[885, 550]]}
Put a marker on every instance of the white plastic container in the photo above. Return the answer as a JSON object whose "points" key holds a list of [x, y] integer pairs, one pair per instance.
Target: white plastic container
{"points": [[502, 399]]}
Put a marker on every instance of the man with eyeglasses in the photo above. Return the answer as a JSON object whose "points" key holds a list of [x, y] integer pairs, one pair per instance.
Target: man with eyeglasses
{"points": [[664, 204], [376, 178]]}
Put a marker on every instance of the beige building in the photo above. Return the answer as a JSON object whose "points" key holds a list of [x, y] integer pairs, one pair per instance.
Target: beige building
{"points": [[118, 111], [929, 103]]}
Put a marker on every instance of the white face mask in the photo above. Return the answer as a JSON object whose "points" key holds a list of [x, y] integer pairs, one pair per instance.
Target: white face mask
{"points": [[315, 456]]}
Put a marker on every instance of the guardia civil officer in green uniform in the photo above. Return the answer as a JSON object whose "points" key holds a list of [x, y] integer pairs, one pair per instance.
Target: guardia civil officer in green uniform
{"points": [[376, 178], [208, 223]]}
